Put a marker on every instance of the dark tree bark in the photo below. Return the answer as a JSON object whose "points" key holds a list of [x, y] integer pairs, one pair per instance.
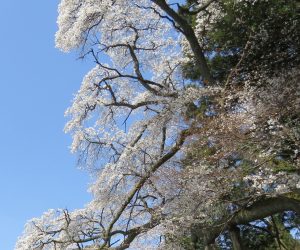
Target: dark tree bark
{"points": [[258, 210], [236, 238], [189, 34]]}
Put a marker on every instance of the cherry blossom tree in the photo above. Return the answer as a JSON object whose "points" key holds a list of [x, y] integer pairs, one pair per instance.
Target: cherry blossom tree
{"points": [[183, 150]]}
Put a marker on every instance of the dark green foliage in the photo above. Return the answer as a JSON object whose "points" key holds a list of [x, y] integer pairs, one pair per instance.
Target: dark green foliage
{"points": [[280, 165], [250, 40], [265, 33], [271, 233]]}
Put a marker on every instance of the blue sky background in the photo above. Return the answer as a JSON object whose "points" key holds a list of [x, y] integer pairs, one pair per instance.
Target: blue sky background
{"points": [[37, 85]]}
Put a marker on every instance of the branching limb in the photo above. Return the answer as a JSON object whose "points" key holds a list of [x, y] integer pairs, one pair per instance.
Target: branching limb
{"points": [[189, 33], [258, 210]]}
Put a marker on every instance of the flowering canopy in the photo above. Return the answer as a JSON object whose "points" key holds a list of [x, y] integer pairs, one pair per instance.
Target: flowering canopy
{"points": [[165, 149]]}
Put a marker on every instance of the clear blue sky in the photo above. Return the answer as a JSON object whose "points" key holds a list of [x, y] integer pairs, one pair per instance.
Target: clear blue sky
{"points": [[37, 84]]}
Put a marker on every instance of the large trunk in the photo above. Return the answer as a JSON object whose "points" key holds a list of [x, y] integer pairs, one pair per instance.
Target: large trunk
{"points": [[189, 34], [235, 238], [258, 210]]}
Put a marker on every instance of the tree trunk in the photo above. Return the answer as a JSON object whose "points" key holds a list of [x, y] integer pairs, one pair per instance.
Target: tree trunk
{"points": [[189, 34], [236, 238], [259, 210]]}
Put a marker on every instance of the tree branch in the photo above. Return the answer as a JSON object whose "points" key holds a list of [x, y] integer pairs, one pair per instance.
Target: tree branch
{"points": [[260, 209], [189, 33], [235, 238], [142, 181]]}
